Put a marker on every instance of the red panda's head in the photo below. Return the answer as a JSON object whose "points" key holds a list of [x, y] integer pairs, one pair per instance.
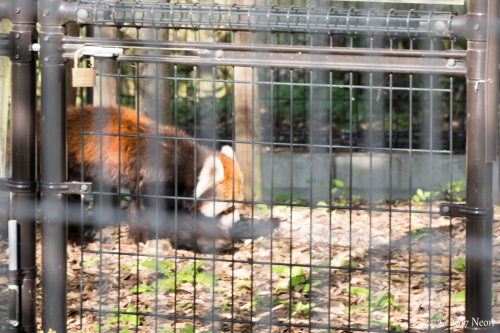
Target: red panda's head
{"points": [[223, 171]]}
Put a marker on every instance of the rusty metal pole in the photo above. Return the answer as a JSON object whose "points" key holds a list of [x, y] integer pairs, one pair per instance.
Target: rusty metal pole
{"points": [[482, 92]]}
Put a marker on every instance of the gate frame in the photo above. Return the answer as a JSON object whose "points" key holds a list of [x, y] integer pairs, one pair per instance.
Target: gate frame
{"points": [[22, 183], [482, 87]]}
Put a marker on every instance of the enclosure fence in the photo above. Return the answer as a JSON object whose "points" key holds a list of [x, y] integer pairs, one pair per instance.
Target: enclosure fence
{"points": [[333, 114]]}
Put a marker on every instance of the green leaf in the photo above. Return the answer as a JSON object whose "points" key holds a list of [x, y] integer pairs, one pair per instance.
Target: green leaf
{"points": [[125, 330], [3, 307], [436, 317], [188, 329], [142, 289], [243, 283], [281, 270], [296, 280], [458, 298], [359, 291], [305, 288], [166, 329], [297, 271], [337, 183], [163, 266], [356, 308], [207, 279], [322, 203]]}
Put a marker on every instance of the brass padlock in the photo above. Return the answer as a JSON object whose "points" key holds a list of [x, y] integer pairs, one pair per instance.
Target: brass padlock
{"points": [[83, 77]]}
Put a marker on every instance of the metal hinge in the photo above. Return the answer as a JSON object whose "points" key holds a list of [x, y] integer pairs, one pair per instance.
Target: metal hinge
{"points": [[461, 210], [83, 188]]}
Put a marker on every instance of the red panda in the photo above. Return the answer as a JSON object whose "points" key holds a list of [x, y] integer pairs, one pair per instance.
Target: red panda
{"points": [[158, 164]]}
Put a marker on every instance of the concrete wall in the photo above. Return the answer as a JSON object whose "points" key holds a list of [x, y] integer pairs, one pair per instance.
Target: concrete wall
{"points": [[420, 171]]}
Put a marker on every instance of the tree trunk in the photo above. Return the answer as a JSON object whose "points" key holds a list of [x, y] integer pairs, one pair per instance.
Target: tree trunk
{"points": [[154, 94], [105, 94], [247, 123]]}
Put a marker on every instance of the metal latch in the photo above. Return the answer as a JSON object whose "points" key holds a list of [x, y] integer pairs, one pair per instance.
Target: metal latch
{"points": [[461, 210], [82, 188], [101, 52]]}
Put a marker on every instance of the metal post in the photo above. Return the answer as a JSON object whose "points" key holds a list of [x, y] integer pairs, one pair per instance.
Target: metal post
{"points": [[480, 141], [53, 170], [23, 157]]}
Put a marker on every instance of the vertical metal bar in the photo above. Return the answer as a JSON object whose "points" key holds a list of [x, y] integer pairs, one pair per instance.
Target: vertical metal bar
{"points": [[53, 171], [478, 271], [14, 299], [23, 157]]}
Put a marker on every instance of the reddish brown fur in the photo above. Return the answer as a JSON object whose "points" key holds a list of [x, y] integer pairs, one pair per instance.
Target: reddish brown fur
{"points": [[119, 148]]}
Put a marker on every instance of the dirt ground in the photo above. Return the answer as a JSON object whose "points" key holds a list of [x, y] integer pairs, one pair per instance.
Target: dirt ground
{"points": [[295, 280]]}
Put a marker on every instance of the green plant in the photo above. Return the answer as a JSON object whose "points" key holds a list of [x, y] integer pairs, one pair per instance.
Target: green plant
{"points": [[127, 319], [262, 209], [419, 233], [452, 190], [379, 303], [343, 260], [225, 306], [343, 193], [102, 328], [436, 317], [294, 277], [321, 204], [299, 307], [258, 302], [167, 283], [460, 266], [458, 298], [283, 197], [420, 197], [91, 261]]}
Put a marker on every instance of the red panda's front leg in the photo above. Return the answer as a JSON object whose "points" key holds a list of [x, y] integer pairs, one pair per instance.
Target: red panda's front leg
{"points": [[137, 222]]}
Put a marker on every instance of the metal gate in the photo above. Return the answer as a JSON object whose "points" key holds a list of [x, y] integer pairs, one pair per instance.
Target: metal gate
{"points": [[329, 111]]}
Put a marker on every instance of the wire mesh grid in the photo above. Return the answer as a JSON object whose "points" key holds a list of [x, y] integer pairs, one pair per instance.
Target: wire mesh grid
{"points": [[290, 19], [341, 230]]}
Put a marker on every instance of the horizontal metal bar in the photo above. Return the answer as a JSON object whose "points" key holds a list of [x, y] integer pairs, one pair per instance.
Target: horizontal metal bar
{"points": [[361, 59], [302, 61], [4, 44], [72, 44], [311, 20]]}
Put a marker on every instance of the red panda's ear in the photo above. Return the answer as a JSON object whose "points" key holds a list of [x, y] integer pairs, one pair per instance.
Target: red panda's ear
{"points": [[211, 168], [228, 151]]}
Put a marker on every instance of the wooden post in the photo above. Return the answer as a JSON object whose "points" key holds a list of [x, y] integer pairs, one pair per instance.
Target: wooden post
{"points": [[154, 95], [105, 91], [247, 123], [105, 94]]}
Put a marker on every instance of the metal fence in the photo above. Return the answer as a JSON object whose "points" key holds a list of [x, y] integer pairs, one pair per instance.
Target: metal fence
{"points": [[335, 116]]}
